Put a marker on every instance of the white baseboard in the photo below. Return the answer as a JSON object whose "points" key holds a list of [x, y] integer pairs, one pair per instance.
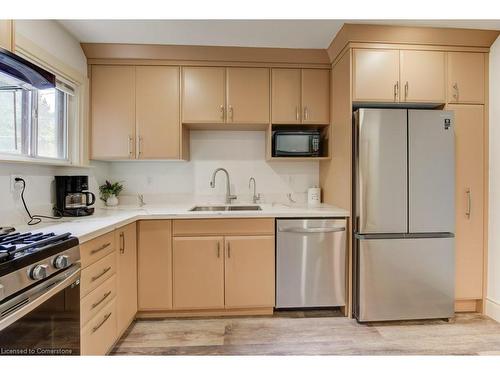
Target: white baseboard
{"points": [[493, 309]]}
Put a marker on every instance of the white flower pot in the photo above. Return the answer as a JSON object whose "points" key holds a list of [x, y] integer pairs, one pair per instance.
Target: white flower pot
{"points": [[112, 201]]}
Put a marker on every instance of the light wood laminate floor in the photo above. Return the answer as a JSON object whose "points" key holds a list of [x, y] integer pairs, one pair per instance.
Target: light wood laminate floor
{"points": [[312, 333]]}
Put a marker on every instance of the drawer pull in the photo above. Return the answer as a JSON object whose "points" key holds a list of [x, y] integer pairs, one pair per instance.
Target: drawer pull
{"points": [[104, 271], [100, 248], [106, 295], [106, 317]]}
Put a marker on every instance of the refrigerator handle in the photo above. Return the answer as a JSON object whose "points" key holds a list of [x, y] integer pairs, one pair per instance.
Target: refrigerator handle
{"points": [[469, 203]]}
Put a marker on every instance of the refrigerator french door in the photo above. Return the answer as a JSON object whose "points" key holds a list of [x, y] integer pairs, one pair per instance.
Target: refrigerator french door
{"points": [[404, 180]]}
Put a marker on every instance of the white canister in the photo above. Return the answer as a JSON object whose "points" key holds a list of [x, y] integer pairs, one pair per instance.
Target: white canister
{"points": [[314, 196]]}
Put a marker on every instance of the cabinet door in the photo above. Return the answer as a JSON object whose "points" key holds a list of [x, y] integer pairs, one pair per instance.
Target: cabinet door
{"points": [[158, 119], [422, 77], [285, 105], [375, 75], [315, 96], [203, 95], [126, 238], [7, 35], [113, 112], [198, 273], [469, 200], [155, 265], [249, 280], [466, 77], [247, 95]]}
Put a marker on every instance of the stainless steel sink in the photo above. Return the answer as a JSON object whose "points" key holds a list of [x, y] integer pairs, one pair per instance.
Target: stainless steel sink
{"points": [[209, 208], [244, 208], [226, 208]]}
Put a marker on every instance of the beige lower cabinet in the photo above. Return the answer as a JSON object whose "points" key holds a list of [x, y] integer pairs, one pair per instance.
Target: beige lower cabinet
{"points": [[198, 273], [126, 241], [249, 271], [154, 265], [469, 201]]}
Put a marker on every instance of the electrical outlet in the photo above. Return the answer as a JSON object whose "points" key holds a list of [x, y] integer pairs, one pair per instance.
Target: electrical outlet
{"points": [[15, 186]]}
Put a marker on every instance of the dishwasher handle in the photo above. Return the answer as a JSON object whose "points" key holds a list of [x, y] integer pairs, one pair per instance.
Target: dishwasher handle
{"points": [[312, 230]]}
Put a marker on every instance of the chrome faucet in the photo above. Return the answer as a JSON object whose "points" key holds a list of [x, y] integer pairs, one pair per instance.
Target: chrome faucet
{"points": [[255, 197], [229, 197], [140, 198]]}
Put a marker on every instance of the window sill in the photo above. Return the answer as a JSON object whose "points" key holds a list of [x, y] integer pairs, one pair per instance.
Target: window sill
{"points": [[4, 158]]}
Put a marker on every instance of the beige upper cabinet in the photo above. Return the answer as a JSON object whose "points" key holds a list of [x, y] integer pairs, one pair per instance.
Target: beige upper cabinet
{"points": [[126, 239], [469, 201], [198, 273], [466, 76], [7, 35], [247, 92], [113, 112], [154, 265], [249, 273], [286, 101], [300, 96], [315, 96], [375, 75], [203, 95], [422, 76], [157, 112]]}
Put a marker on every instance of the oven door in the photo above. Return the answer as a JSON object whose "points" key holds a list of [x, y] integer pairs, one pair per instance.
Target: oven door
{"points": [[293, 144], [45, 319]]}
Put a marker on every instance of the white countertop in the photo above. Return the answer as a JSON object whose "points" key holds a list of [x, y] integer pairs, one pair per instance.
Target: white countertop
{"points": [[105, 220]]}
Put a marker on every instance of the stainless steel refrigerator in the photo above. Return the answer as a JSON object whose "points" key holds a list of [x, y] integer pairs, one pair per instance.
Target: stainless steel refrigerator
{"points": [[404, 181]]}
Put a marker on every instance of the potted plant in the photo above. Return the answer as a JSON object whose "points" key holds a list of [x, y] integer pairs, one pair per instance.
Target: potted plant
{"points": [[109, 192]]}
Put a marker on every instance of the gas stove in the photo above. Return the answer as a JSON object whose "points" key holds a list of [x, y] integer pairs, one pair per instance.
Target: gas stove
{"points": [[27, 258]]}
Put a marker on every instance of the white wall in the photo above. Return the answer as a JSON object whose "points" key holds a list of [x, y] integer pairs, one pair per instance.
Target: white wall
{"points": [[493, 288], [242, 153]]}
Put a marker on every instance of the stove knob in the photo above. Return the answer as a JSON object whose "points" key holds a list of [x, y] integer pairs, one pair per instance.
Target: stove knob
{"points": [[39, 272], [62, 261]]}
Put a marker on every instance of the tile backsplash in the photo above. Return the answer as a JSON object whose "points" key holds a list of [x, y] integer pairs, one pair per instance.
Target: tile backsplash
{"points": [[242, 153]]}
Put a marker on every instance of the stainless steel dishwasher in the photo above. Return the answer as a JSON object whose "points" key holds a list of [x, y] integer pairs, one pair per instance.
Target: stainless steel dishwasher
{"points": [[310, 263]]}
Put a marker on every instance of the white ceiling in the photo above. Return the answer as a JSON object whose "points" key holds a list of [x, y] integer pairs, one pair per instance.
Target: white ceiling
{"points": [[243, 33]]}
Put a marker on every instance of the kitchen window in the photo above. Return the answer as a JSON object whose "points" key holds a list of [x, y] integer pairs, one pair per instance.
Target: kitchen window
{"points": [[34, 123]]}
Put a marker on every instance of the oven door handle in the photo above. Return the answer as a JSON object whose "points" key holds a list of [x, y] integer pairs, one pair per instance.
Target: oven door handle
{"points": [[34, 297]]}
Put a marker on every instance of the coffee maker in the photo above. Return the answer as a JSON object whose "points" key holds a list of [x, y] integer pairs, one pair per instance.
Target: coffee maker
{"points": [[72, 197]]}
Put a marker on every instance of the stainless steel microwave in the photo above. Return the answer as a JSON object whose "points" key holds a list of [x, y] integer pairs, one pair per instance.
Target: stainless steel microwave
{"points": [[296, 143]]}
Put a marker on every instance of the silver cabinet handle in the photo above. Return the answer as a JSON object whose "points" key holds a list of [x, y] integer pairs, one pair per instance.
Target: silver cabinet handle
{"points": [[106, 317], [406, 90], [139, 145], [222, 112], [455, 94], [218, 249], [396, 91], [297, 113], [122, 243], [469, 203], [100, 248], [306, 113], [313, 230], [106, 295], [231, 115], [104, 271], [229, 250], [130, 140]]}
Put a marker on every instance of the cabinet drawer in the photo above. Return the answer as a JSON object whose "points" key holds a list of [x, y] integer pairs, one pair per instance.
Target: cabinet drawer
{"points": [[96, 249], [99, 334], [96, 300], [97, 273], [223, 226]]}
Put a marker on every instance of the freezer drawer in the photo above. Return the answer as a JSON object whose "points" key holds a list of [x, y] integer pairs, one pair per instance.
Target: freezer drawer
{"points": [[431, 169], [381, 171], [401, 279], [310, 263]]}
